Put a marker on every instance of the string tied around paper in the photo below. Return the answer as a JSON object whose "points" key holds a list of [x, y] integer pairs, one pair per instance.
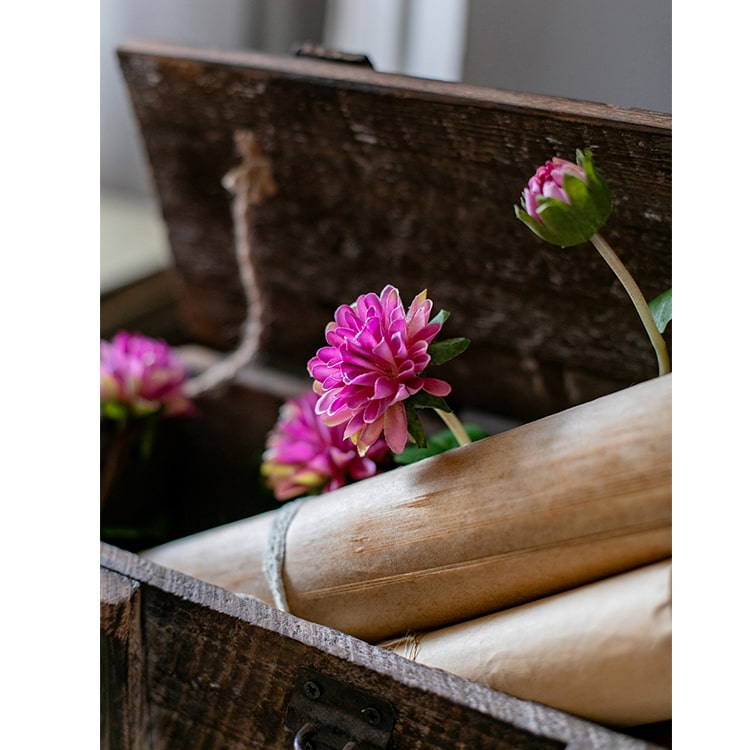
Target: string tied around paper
{"points": [[406, 645], [275, 552]]}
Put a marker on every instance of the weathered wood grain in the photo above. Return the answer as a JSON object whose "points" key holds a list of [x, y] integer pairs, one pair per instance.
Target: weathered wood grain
{"points": [[124, 710], [219, 671], [388, 179], [147, 304]]}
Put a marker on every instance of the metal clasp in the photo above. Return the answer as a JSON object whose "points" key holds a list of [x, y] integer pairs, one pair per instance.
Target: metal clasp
{"points": [[318, 52], [326, 714]]}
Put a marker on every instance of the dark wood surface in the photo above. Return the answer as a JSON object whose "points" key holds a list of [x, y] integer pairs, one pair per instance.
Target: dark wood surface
{"points": [[187, 664], [124, 712], [389, 179], [146, 304]]}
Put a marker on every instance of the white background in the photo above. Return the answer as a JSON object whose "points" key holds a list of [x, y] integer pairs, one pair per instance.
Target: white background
{"points": [[49, 291]]}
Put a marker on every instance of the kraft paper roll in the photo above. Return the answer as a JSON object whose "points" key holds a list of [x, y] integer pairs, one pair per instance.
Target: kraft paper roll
{"points": [[601, 651], [549, 506]]}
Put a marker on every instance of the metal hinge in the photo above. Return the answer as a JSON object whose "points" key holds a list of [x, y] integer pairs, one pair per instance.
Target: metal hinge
{"points": [[317, 52], [325, 714]]}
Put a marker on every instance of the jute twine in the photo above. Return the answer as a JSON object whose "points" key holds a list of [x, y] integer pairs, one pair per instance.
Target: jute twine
{"points": [[275, 552]]}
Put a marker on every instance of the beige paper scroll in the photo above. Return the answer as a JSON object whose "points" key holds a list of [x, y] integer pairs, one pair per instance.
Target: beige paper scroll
{"points": [[545, 507], [601, 651]]}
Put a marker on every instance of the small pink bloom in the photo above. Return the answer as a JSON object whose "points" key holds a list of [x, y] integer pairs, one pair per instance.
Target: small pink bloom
{"points": [[566, 203], [303, 455], [374, 361], [143, 375], [548, 183]]}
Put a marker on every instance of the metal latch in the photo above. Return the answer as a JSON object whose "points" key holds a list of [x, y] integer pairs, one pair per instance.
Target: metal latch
{"points": [[318, 52], [325, 714]]}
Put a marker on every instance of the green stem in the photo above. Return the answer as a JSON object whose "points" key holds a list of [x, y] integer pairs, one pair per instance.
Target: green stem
{"points": [[454, 425], [622, 273], [118, 449]]}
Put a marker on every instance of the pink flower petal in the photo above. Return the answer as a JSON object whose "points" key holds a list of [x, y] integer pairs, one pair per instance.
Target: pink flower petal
{"points": [[395, 428], [436, 387]]}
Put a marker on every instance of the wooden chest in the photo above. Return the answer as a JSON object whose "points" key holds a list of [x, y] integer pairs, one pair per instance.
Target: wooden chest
{"points": [[353, 179]]}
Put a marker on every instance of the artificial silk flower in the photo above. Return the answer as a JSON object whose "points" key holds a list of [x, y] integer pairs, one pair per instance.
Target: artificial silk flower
{"points": [[140, 376], [376, 354], [305, 456], [566, 203]]}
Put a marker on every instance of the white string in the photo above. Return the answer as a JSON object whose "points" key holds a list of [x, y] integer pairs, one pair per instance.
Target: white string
{"points": [[273, 558]]}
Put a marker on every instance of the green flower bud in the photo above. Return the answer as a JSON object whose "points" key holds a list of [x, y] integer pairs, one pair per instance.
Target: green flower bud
{"points": [[565, 203]]}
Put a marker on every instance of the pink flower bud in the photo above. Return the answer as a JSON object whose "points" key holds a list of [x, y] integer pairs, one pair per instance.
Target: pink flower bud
{"points": [[548, 182], [565, 203]]}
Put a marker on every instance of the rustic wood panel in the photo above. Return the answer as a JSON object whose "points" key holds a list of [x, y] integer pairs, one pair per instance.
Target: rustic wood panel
{"points": [[219, 671], [123, 700], [388, 179], [148, 304]]}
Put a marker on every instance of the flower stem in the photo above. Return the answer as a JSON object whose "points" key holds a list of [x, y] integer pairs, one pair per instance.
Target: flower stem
{"points": [[454, 425], [622, 273], [121, 443]]}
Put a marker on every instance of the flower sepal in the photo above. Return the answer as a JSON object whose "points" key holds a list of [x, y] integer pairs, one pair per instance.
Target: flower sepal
{"points": [[414, 426], [422, 400]]}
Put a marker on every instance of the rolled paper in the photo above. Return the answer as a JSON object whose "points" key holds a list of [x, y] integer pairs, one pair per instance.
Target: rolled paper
{"points": [[602, 651], [545, 507]]}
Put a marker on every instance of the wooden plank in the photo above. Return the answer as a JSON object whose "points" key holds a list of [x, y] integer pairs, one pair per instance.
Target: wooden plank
{"points": [[148, 305], [124, 711], [220, 672], [389, 179]]}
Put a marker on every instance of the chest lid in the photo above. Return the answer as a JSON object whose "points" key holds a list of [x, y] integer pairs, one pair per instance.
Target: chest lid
{"points": [[356, 179]]}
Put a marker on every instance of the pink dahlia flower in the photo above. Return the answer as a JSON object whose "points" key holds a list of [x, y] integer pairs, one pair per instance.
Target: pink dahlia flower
{"points": [[374, 361], [304, 456], [139, 375], [548, 183]]}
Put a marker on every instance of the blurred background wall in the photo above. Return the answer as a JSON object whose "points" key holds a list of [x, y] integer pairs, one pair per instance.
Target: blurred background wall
{"points": [[610, 51]]}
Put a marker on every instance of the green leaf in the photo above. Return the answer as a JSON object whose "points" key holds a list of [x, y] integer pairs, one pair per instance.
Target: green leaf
{"points": [[444, 351], [414, 426], [424, 400], [661, 310], [441, 317], [438, 443]]}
